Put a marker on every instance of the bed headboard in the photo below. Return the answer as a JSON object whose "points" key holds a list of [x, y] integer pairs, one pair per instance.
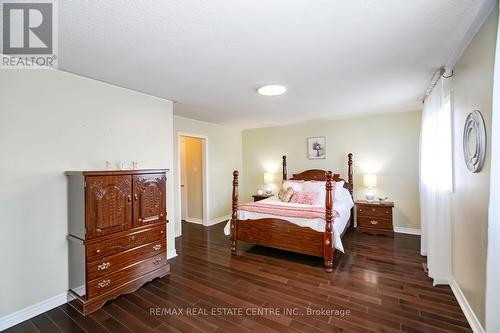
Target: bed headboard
{"points": [[318, 174]]}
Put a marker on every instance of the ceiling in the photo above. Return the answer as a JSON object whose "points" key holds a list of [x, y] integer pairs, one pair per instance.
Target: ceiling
{"points": [[337, 58]]}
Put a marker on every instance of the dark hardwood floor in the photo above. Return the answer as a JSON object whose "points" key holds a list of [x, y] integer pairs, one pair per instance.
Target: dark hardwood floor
{"points": [[377, 286]]}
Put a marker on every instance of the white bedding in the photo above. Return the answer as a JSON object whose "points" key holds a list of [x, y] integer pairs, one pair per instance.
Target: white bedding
{"points": [[343, 207]]}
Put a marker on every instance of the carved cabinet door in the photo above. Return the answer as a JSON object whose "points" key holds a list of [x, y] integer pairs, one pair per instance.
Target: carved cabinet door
{"points": [[109, 204], [149, 199]]}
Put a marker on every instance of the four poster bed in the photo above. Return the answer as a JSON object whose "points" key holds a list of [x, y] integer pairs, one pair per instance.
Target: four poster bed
{"points": [[288, 229]]}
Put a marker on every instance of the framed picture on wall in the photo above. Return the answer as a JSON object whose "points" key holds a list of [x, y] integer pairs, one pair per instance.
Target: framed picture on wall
{"points": [[316, 148]]}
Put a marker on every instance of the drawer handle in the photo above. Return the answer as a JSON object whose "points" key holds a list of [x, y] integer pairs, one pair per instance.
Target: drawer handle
{"points": [[98, 251], [104, 283], [157, 247], [157, 261], [373, 209], [161, 232], [103, 266], [360, 210], [374, 222], [132, 237]]}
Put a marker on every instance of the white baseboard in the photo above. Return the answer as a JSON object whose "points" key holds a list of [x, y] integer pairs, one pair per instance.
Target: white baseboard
{"points": [[218, 220], [474, 322], [171, 253], [193, 220], [46, 305], [209, 223], [441, 280], [409, 231], [80, 290], [32, 311]]}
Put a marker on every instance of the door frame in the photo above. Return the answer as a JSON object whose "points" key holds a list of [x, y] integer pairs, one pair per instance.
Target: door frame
{"points": [[204, 156]]}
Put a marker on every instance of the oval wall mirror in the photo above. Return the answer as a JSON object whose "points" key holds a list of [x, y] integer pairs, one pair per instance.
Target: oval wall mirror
{"points": [[474, 141]]}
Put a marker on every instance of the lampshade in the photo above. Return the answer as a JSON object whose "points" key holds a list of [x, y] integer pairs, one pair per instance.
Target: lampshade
{"points": [[268, 178], [370, 180]]}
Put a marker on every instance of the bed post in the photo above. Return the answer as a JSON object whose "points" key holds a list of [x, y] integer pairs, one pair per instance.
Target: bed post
{"points": [[285, 171], [234, 216], [350, 186], [327, 239], [349, 172]]}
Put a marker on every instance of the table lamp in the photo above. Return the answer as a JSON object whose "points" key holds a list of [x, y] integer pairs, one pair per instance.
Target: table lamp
{"points": [[268, 180], [370, 181]]}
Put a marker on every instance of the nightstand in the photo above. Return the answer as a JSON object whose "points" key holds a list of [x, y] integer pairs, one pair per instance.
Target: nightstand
{"points": [[258, 197], [375, 218]]}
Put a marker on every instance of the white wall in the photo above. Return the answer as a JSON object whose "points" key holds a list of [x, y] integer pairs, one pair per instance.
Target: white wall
{"points": [[224, 155], [472, 87], [383, 144], [493, 264], [50, 122]]}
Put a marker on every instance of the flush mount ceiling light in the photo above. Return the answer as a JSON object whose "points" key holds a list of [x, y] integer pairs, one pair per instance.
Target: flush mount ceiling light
{"points": [[271, 90]]}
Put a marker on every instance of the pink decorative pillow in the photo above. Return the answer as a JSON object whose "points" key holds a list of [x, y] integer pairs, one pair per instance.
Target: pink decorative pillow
{"points": [[306, 198]]}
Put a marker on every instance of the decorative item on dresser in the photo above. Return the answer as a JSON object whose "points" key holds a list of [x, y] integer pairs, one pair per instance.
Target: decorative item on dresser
{"points": [[374, 217], [259, 197], [116, 234], [280, 233]]}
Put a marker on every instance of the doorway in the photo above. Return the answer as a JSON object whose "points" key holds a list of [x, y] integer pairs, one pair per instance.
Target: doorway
{"points": [[192, 157]]}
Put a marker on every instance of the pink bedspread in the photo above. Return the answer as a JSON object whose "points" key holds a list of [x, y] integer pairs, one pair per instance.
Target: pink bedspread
{"points": [[306, 212]]}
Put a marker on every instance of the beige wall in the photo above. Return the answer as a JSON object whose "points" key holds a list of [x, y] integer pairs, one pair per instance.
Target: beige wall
{"points": [[194, 177], [472, 87], [50, 122], [384, 144], [224, 155]]}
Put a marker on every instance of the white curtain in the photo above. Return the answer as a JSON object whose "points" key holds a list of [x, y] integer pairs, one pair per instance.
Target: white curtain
{"points": [[435, 184], [493, 263]]}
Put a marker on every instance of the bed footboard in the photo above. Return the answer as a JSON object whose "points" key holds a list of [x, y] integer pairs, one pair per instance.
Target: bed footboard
{"points": [[281, 234]]}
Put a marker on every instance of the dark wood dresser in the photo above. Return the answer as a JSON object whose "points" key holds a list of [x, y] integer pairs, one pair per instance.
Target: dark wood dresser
{"points": [[375, 218], [116, 234]]}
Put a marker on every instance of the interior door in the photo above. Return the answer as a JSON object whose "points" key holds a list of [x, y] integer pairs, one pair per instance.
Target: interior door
{"points": [[109, 205], [183, 184], [149, 199]]}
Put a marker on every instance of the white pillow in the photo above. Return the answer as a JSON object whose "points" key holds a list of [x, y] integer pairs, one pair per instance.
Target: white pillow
{"points": [[314, 186], [296, 185], [340, 190]]}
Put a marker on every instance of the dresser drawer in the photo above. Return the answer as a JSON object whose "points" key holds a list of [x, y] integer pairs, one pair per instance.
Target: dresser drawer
{"points": [[374, 211], [111, 246], [108, 282], [374, 222], [115, 262]]}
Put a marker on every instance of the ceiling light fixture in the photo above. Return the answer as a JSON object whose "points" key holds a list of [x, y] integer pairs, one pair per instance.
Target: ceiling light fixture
{"points": [[271, 90]]}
